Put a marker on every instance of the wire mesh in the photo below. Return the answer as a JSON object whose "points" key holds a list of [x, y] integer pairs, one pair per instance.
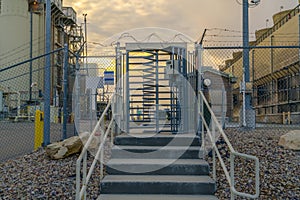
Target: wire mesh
{"points": [[273, 84], [96, 78], [22, 95]]}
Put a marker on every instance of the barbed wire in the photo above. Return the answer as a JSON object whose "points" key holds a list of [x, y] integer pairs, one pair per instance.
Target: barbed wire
{"points": [[227, 30], [147, 38]]}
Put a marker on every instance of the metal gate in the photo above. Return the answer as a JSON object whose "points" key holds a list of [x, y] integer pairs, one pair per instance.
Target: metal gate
{"points": [[156, 96]]}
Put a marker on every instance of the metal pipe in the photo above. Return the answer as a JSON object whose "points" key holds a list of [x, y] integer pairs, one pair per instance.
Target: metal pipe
{"points": [[157, 92], [47, 75], [85, 36], [77, 100], [30, 55], [247, 100], [232, 196], [65, 102], [127, 119]]}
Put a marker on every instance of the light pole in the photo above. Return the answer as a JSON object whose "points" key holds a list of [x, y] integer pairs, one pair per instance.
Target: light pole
{"points": [[248, 114]]}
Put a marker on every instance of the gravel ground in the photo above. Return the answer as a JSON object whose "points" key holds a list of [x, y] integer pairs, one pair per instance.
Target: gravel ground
{"points": [[279, 168], [35, 176]]}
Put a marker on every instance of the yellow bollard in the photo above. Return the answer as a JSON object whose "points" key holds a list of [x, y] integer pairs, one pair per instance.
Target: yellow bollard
{"points": [[39, 129]]}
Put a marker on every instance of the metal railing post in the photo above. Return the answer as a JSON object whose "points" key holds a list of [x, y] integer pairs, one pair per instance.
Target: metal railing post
{"points": [[84, 173], [232, 195], [213, 149], [78, 165]]}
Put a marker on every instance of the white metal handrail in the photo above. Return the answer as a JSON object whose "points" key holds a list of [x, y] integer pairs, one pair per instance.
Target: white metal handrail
{"points": [[81, 192], [233, 154]]}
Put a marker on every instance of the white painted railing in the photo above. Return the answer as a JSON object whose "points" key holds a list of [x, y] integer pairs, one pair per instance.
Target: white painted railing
{"points": [[81, 185], [229, 176]]}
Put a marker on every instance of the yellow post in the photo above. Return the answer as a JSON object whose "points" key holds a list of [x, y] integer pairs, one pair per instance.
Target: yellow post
{"points": [[39, 129]]}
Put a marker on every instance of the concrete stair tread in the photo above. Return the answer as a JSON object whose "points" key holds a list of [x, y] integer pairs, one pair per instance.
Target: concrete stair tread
{"points": [[145, 135], [157, 161], [158, 179], [146, 139], [154, 148], [158, 184], [157, 167], [155, 197], [163, 152]]}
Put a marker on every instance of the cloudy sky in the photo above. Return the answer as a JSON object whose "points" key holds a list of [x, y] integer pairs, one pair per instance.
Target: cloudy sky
{"points": [[108, 17]]}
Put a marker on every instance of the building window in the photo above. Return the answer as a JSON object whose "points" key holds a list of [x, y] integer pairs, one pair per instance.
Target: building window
{"points": [[283, 87], [263, 94], [0, 6]]}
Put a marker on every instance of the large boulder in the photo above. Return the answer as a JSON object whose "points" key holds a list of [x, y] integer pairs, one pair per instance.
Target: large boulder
{"points": [[291, 140], [65, 148]]}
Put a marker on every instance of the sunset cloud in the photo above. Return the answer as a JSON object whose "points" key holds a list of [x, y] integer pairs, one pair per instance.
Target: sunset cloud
{"points": [[108, 17]]}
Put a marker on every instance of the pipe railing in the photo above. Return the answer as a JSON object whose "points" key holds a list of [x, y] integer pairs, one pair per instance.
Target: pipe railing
{"points": [[81, 191], [229, 175]]}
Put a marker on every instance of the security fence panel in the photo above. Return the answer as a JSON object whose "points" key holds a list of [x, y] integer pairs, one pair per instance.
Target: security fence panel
{"points": [[96, 78], [22, 103], [273, 84]]}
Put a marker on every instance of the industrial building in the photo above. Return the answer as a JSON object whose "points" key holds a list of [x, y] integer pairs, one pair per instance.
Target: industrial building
{"points": [[274, 72], [22, 38]]}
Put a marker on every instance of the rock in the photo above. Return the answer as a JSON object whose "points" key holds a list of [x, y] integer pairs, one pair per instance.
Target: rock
{"points": [[94, 145], [291, 140], [65, 148]]}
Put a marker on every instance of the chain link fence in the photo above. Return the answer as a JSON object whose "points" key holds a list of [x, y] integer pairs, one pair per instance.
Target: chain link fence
{"points": [[22, 96], [96, 78], [273, 84]]}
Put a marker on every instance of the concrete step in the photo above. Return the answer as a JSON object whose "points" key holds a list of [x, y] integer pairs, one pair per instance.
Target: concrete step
{"points": [[167, 152], [157, 167], [155, 197], [148, 139], [163, 184]]}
